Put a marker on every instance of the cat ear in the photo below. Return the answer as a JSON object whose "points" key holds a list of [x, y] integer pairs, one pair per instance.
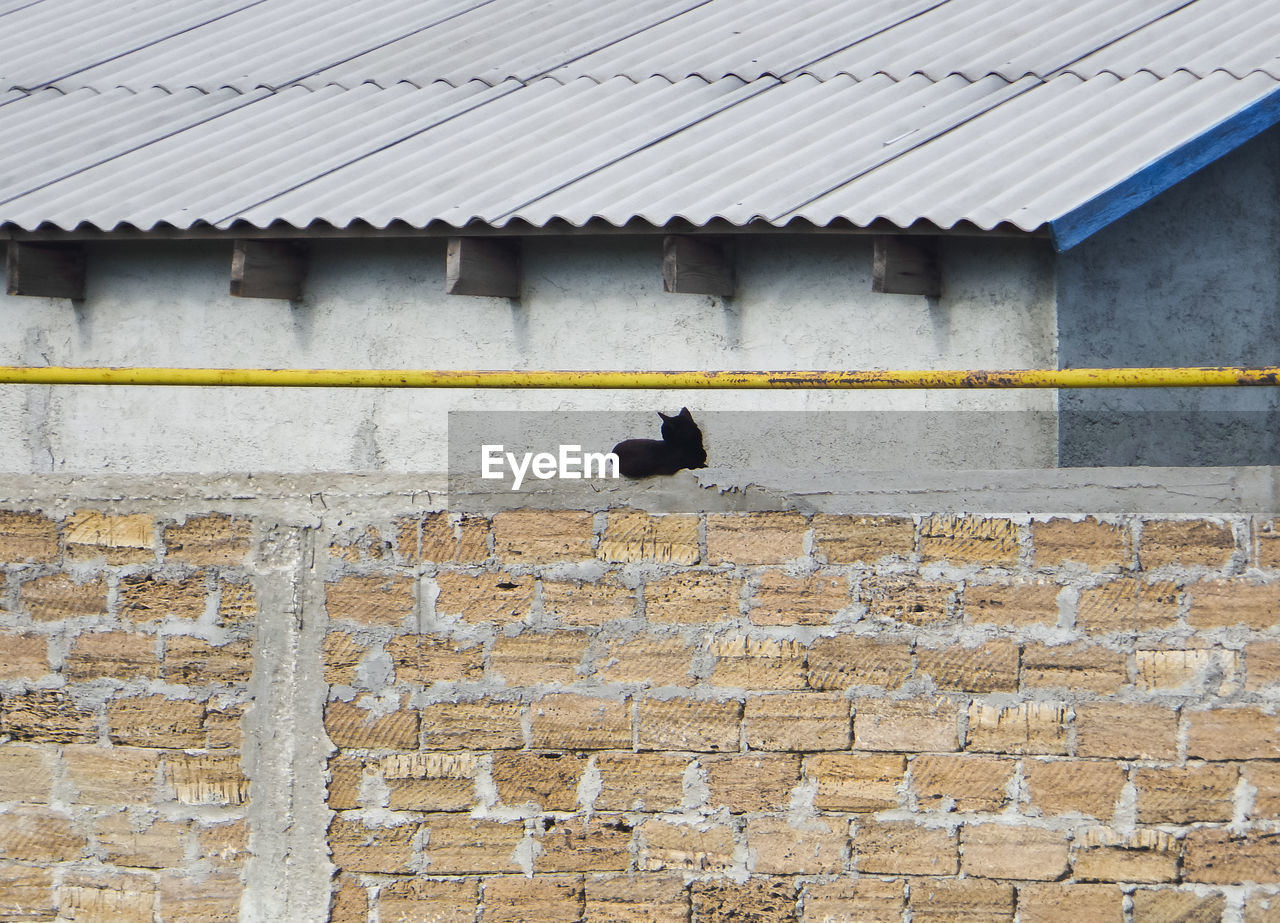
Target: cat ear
{"points": [[665, 417], [684, 413]]}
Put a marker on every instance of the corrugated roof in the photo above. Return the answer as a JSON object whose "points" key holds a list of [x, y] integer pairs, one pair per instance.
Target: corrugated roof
{"points": [[1051, 115]]}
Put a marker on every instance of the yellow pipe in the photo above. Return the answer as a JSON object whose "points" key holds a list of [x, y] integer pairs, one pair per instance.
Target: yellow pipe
{"points": [[1213, 377]]}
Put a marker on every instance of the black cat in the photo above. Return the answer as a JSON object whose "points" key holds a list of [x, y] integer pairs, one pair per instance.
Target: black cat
{"points": [[679, 447]]}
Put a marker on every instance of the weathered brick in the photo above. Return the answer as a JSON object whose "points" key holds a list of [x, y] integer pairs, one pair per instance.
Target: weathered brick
{"points": [[358, 847], [755, 538], [1074, 667], [637, 899], [640, 781], [96, 896], [1190, 542], [354, 546], [746, 782], [1008, 851], [1214, 856], [1115, 731], [223, 725], [851, 660], [441, 901], [195, 662], [688, 724], [530, 659], [530, 536], [798, 721], [1161, 670], [1184, 795], [633, 535], [224, 845], [1265, 778], [208, 778], [670, 845], [1262, 665], [760, 900], [542, 899], [854, 782], [908, 599], [115, 654], [119, 539], [1267, 539], [970, 899], [1097, 545], [1128, 604], [215, 538], [152, 843], [655, 661], [1029, 728], [423, 660], [548, 779], [693, 597], [1070, 903], [26, 892], [429, 781], [904, 848], [46, 717], [156, 721], [1261, 908], [990, 667], [961, 782], [26, 655], [862, 900], [481, 725], [815, 846], [969, 540], [459, 844], [1146, 856], [575, 722], [587, 604], [842, 539], [346, 778], [145, 597], [1182, 906], [200, 898], [342, 654], [350, 725], [237, 604], [443, 537], [26, 773], [1089, 787], [31, 833], [598, 843], [371, 600], [784, 600], [758, 663], [1235, 601], [1017, 603], [27, 538], [911, 725], [1232, 734], [58, 596]]}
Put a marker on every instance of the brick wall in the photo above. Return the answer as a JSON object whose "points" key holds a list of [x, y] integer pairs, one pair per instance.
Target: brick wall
{"points": [[212, 705]]}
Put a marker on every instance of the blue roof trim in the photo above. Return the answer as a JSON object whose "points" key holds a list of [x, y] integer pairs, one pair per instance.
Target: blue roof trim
{"points": [[1100, 211]]}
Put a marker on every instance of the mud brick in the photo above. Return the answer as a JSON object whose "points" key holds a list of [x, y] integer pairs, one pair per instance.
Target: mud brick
{"points": [[215, 539], [548, 779], [208, 778], [444, 901], [1236, 601], [758, 663], [864, 900], [798, 721], [598, 843], [637, 899], [424, 660], [1069, 903], [27, 538], [908, 599], [480, 725], [1128, 604], [589, 604], [363, 546], [26, 773], [1097, 545], [195, 662], [57, 597], [1263, 776], [92, 534], [693, 597], [429, 781], [575, 722], [156, 721], [32, 833], [760, 900], [749, 782], [26, 655], [116, 654], [948, 899], [357, 847], [640, 781], [1262, 665], [1029, 728], [458, 844], [853, 782], [1183, 906], [1192, 542], [670, 845], [1018, 603], [961, 782], [144, 597], [1005, 851], [990, 667], [349, 903], [541, 536], [815, 846], [1170, 670], [904, 848], [531, 659], [862, 539], [969, 540], [1074, 667], [223, 725], [116, 775], [224, 845], [349, 725], [46, 717], [26, 892], [373, 600], [1089, 787], [849, 660], [1232, 734], [120, 897], [1214, 856], [784, 600], [154, 844], [346, 777], [1181, 796], [1136, 732], [649, 660], [1146, 856], [542, 899], [755, 538], [200, 899], [689, 724], [442, 537], [237, 604], [342, 654], [633, 535], [911, 725]]}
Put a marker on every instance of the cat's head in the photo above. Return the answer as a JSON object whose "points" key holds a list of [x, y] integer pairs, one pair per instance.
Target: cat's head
{"points": [[680, 431]]}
